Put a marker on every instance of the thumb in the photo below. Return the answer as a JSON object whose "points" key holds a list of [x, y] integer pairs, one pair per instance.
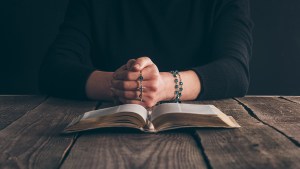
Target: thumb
{"points": [[141, 63], [130, 63]]}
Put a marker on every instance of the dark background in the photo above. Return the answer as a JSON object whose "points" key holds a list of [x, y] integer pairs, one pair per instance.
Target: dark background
{"points": [[27, 28]]}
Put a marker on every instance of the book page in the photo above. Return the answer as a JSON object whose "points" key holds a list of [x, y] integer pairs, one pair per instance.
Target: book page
{"points": [[134, 108], [183, 108]]}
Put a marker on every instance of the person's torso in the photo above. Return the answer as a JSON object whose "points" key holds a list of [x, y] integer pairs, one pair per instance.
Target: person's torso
{"points": [[173, 33]]}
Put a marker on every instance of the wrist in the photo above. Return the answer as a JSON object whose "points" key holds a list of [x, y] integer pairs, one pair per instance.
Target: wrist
{"points": [[192, 85], [168, 86], [98, 86]]}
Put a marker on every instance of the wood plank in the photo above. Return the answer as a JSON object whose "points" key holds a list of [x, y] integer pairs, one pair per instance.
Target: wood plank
{"points": [[128, 149], [254, 145], [281, 114], [295, 99], [123, 148], [34, 140], [14, 107]]}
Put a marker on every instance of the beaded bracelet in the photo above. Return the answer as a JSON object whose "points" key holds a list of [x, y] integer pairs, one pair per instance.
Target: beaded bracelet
{"points": [[178, 86]]}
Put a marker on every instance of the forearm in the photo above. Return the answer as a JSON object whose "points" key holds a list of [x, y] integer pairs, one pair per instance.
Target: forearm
{"points": [[224, 78], [191, 85], [98, 86]]}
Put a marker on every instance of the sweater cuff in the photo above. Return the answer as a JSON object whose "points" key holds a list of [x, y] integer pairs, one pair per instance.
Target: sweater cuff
{"points": [[213, 81], [66, 80], [80, 76]]}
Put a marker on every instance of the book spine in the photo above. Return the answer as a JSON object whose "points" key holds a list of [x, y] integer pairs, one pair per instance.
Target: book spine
{"points": [[149, 125], [148, 130]]}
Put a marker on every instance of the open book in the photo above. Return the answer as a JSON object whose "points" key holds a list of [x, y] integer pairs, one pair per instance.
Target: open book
{"points": [[162, 117]]}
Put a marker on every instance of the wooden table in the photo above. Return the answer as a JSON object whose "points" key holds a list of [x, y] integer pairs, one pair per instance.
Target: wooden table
{"points": [[30, 137]]}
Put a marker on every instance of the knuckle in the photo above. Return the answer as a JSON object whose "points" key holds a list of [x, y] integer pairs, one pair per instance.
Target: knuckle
{"points": [[146, 58], [155, 77], [136, 95], [130, 61], [127, 76], [155, 73], [133, 95], [154, 86], [123, 85], [127, 94], [151, 96]]}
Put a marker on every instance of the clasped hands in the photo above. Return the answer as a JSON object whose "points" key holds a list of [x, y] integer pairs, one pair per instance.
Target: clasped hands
{"points": [[125, 85]]}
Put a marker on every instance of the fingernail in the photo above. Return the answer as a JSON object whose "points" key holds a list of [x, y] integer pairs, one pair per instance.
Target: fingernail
{"points": [[137, 66]]}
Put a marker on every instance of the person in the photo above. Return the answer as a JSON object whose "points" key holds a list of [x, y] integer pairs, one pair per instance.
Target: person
{"points": [[130, 50]]}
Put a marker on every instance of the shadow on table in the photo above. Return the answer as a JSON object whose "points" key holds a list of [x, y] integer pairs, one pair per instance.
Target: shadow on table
{"points": [[122, 130]]}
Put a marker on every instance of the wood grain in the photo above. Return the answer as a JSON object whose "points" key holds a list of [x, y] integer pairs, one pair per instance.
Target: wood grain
{"points": [[14, 107], [131, 150], [254, 145], [279, 113], [34, 140], [295, 99], [123, 148]]}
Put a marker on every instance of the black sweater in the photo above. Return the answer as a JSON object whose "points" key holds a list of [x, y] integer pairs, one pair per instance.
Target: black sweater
{"points": [[211, 37]]}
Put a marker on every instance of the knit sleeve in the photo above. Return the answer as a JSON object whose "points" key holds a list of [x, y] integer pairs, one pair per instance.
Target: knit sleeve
{"points": [[230, 42], [67, 65]]}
